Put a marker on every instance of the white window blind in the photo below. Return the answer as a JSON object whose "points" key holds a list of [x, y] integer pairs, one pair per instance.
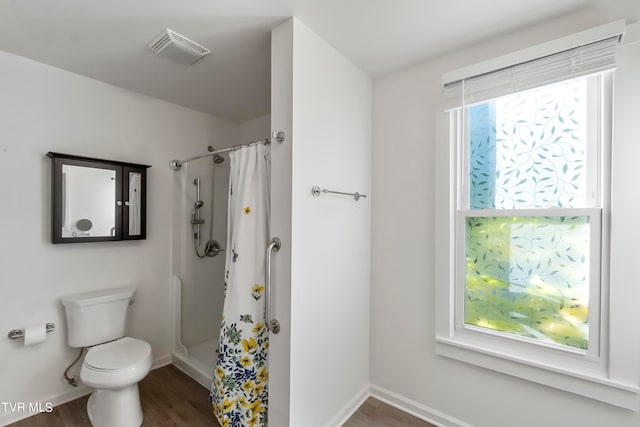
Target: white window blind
{"points": [[576, 62]]}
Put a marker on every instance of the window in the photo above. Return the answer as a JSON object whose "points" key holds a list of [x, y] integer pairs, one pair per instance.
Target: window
{"points": [[523, 288], [529, 215]]}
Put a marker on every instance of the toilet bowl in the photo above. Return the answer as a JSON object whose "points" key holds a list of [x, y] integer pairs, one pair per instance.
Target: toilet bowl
{"points": [[114, 363], [113, 370]]}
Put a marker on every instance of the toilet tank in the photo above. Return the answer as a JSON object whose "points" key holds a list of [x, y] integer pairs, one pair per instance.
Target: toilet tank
{"points": [[97, 317]]}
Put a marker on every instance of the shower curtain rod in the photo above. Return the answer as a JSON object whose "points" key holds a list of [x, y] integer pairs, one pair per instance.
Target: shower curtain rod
{"points": [[278, 136], [177, 164]]}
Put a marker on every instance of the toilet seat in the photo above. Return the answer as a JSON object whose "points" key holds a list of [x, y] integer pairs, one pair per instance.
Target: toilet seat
{"points": [[118, 363], [119, 354]]}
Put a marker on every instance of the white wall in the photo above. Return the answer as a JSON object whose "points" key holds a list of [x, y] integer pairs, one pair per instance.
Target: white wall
{"points": [[255, 129], [330, 263], [330, 146], [47, 109], [410, 237]]}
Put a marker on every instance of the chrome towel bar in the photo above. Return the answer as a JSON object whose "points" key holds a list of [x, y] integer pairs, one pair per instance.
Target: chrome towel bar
{"points": [[315, 191], [14, 334]]}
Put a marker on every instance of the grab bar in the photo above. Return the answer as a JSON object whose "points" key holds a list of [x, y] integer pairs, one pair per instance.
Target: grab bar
{"points": [[272, 324]]}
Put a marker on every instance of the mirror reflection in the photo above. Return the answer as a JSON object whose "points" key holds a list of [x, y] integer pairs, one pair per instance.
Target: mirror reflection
{"points": [[88, 207], [134, 203], [97, 200]]}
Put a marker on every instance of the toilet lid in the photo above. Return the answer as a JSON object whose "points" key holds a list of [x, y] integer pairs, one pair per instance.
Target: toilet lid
{"points": [[118, 354]]}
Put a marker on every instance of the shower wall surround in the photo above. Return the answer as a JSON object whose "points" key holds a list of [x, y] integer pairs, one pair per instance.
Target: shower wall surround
{"points": [[199, 311]]}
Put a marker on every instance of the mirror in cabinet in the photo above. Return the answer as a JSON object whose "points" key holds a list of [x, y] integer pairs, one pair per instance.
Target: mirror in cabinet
{"points": [[96, 200]]}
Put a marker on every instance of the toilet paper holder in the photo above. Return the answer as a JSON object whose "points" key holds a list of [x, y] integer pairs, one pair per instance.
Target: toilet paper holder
{"points": [[14, 334]]}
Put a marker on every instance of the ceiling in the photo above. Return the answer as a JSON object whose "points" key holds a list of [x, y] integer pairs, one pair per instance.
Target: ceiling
{"points": [[108, 40]]}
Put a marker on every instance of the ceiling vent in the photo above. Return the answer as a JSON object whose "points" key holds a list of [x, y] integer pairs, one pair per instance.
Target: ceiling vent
{"points": [[178, 48]]}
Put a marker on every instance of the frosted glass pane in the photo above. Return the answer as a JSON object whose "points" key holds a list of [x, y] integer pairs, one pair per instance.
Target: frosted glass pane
{"points": [[529, 276], [529, 150]]}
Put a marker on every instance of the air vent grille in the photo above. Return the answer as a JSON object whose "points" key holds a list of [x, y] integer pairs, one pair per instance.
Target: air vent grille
{"points": [[177, 47], [161, 42]]}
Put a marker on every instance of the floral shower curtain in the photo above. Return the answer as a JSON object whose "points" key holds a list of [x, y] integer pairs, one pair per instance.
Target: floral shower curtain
{"points": [[239, 389]]}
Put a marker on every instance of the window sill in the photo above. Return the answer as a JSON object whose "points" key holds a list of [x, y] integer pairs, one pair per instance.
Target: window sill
{"points": [[584, 384]]}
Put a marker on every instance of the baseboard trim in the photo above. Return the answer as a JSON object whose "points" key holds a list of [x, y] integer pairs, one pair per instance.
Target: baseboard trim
{"points": [[416, 409], [161, 361], [67, 396], [350, 408]]}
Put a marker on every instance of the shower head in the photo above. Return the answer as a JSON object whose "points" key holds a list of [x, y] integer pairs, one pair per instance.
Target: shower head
{"points": [[217, 159]]}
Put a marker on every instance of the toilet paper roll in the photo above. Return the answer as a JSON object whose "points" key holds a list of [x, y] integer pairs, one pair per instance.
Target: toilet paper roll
{"points": [[35, 334]]}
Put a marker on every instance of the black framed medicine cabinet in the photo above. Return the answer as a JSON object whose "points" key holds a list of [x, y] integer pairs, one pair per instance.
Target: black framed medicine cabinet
{"points": [[96, 200]]}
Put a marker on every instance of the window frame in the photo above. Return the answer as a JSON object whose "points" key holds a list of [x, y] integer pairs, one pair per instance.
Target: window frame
{"points": [[513, 343], [599, 88], [592, 376]]}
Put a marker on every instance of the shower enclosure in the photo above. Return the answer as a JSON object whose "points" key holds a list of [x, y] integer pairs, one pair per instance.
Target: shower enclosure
{"points": [[201, 184], [199, 233]]}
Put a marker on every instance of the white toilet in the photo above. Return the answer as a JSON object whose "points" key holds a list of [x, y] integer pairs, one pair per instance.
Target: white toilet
{"points": [[114, 363]]}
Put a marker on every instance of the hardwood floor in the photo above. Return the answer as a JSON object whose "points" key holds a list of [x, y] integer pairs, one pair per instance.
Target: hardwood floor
{"points": [[374, 413], [170, 398]]}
